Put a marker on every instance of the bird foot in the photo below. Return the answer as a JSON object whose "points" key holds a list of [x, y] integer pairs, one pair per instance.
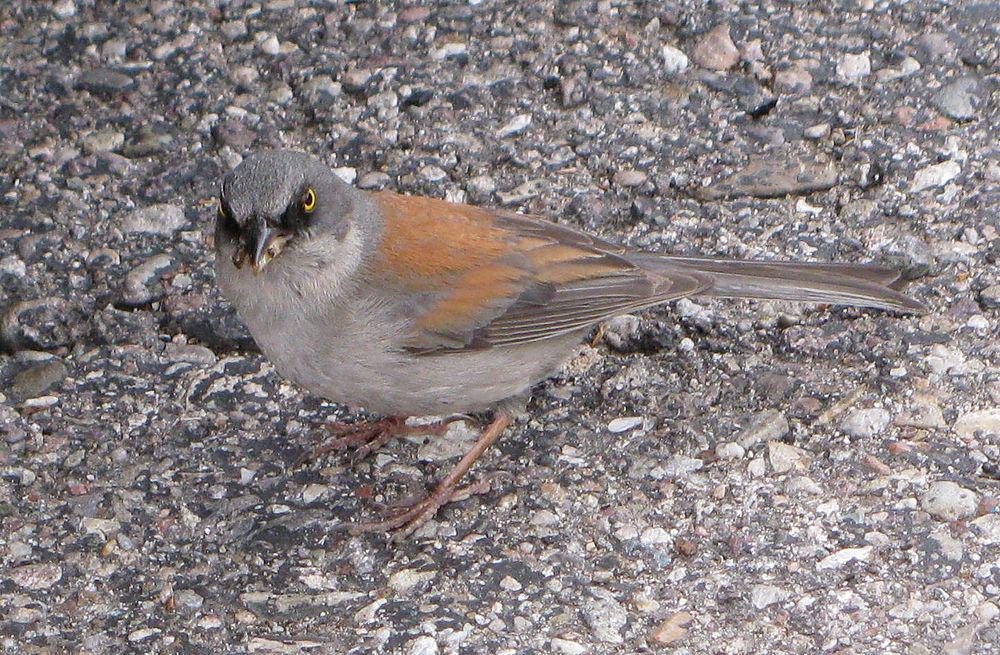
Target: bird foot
{"points": [[366, 437], [409, 521]]}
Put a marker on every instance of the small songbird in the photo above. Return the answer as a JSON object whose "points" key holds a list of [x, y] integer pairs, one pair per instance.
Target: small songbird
{"points": [[413, 306]]}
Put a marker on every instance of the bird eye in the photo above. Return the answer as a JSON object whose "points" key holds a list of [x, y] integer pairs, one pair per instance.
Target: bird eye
{"points": [[309, 201]]}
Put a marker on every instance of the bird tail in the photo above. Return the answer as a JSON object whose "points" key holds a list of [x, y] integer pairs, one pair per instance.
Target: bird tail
{"points": [[862, 285]]}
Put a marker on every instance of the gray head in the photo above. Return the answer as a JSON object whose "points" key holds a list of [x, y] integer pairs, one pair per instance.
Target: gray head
{"points": [[277, 200]]}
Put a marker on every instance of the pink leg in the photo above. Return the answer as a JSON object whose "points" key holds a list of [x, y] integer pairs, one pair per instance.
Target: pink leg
{"points": [[407, 522], [367, 437]]}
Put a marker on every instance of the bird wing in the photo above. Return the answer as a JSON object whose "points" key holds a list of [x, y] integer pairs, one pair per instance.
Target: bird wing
{"points": [[490, 278]]}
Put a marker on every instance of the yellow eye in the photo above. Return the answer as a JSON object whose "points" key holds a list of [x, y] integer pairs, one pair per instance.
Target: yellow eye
{"points": [[309, 201]]}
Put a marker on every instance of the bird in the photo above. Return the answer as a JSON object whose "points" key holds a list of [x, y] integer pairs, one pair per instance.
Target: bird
{"points": [[415, 306]]}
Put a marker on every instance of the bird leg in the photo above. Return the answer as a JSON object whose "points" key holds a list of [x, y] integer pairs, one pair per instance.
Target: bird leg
{"points": [[368, 436], [407, 522]]}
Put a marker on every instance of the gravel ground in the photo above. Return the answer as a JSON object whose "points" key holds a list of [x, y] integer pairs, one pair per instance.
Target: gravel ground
{"points": [[712, 477]]}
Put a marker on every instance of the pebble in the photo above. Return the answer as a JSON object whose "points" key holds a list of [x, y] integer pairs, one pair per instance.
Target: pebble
{"points": [[346, 173], [423, 645], [516, 126], [988, 526], [64, 9], [104, 82], [674, 60], [959, 99], [767, 426], [984, 423], [36, 576], [673, 629], [865, 423], [155, 219], [655, 536], [188, 599], [567, 647], [845, 556], [729, 450], [783, 457], [373, 180], [764, 595], [433, 173], [629, 178], [270, 45], [313, 492], [510, 584], [356, 80], [35, 381], [772, 178], [102, 141], [544, 518], [818, 131], [406, 580], [802, 485], [605, 616], [624, 424], [795, 79], [948, 501], [854, 67], [142, 282], [189, 353], [936, 175], [715, 50]]}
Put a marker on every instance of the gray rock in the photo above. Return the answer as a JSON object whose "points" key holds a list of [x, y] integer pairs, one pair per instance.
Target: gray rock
{"points": [[516, 126], [989, 297], [948, 501], [104, 82], [853, 67], [715, 50], [766, 426], [674, 60], [935, 175], [764, 595], [41, 324], [865, 423], [142, 282], [958, 100], [605, 616], [36, 380], [984, 422], [770, 178], [155, 219]]}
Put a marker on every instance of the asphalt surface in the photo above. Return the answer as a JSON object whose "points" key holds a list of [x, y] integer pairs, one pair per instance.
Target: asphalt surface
{"points": [[709, 477]]}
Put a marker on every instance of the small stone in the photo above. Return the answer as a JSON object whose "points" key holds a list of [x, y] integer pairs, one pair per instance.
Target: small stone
{"points": [[680, 466], [674, 60], [356, 80], [544, 518], [510, 584], [988, 527], [624, 424], [373, 180], [936, 175], [104, 82], [188, 599], [155, 219], [795, 79], [845, 556], [314, 492], [270, 45], [948, 501], [141, 282], [784, 457], [423, 645], [958, 100], [346, 173], [673, 629], [766, 426], [715, 50], [730, 450], [407, 579], [854, 67], [64, 9], [764, 595], [772, 178], [142, 634], [802, 485], [605, 616], [629, 178], [189, 353], [655, 536], [36, 576], [321, 90], [865, 423], [818, 131], [35, 381], [985, 422], [433, 173], [103, 141], [516, 126], [567, 647]]}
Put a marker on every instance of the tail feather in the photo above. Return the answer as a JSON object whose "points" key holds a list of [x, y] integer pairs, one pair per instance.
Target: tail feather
{"points": [[862, 285]]}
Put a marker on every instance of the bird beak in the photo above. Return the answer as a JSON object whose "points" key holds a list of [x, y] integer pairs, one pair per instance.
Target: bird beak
{"points": [[265, 243]]}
